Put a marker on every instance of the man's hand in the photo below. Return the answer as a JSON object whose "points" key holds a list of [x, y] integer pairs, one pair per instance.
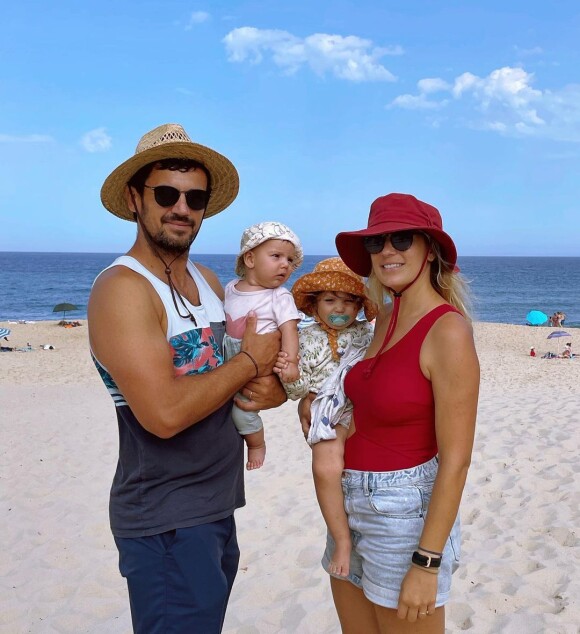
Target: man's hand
{"points": [[263, 349], [263, 393]]}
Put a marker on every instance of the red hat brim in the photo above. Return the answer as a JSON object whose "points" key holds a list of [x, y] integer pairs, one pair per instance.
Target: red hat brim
{"points": [[389, 214]]}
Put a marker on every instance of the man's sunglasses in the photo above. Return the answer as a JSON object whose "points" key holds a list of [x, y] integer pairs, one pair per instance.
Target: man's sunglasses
{"points": [[167, 196], [401, 241]]}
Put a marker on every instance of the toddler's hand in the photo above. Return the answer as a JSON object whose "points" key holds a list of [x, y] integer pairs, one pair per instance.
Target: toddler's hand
{"points": [[290, 373]]}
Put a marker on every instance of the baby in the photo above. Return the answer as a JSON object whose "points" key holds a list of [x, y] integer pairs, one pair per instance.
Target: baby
{"points": [[269, 254]]}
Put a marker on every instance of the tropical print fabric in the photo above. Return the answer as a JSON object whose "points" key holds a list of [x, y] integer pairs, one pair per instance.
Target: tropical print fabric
{"points": [[195, 351]]}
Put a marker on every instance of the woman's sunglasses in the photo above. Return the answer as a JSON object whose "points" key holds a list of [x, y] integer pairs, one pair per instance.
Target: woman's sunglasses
{"points": [[401, 241], [167, 196]]}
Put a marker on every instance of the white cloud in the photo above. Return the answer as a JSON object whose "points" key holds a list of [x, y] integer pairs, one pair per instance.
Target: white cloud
{"points": [[528, 52], [27, 138], [96, 140], [433, 84], [416, 102], [505, 102], [346, 57], [197, 17]]}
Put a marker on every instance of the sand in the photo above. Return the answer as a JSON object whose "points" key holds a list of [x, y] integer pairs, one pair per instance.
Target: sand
{"points": [[521, 508]]}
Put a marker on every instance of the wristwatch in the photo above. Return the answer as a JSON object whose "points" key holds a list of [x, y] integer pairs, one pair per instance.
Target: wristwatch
{"points": [[426, 561]]}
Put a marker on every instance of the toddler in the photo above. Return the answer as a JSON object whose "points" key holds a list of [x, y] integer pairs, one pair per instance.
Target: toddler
{"points": [[333, 295]]}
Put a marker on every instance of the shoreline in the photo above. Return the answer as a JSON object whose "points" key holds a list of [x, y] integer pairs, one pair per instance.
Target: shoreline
{"points": [[520, 514]]}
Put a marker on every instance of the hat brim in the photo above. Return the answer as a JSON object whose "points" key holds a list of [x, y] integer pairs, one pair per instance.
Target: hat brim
{"points": [[318, 282], [225, 181], [350, 245]]}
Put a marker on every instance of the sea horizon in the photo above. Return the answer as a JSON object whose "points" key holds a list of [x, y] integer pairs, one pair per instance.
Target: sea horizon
{"points": [[505, 288], [547, 257]]}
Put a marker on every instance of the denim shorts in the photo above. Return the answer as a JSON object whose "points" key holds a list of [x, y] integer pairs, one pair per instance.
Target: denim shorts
{"points": [[386, 514]]}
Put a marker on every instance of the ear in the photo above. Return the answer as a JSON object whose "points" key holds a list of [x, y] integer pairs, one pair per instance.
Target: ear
{"points": [[432, 255], [131, 196], [249, 261]]}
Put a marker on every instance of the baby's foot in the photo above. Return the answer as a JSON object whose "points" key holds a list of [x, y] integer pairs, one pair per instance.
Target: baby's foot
{"points": [[256, 457], [340, 563]]}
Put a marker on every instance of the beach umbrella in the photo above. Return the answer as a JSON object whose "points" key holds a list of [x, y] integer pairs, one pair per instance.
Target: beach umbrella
{"points": [[63, 308], [536, 318], [4, 332], [557, 334]]}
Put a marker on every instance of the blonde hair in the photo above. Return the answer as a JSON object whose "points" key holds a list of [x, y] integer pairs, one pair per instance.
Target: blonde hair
{"points": [[453, 287]]}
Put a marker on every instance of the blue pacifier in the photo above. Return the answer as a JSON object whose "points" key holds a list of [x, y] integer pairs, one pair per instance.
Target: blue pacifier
{"points": [[338, 320]]}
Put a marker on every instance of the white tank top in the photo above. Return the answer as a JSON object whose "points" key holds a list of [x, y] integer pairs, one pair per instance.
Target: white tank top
{"points": [[210, 309]]}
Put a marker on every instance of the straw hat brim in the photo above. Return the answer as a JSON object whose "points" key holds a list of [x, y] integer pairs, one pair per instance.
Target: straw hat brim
{"points": [[225, 181], [342, 282]]}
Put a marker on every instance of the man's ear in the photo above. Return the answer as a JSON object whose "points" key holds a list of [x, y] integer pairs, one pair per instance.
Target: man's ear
{"points": [[131, 197]]}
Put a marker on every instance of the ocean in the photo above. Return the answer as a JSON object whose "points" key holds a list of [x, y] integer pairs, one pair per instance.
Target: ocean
{"points": [[505, 288]]}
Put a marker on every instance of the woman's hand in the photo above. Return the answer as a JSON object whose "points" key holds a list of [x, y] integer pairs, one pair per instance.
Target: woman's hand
{"points": [[417, 596], [304, 413]]}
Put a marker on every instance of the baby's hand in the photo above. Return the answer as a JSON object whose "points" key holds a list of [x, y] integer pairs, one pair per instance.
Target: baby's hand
{"points": [[290, 373], [281, 363]]}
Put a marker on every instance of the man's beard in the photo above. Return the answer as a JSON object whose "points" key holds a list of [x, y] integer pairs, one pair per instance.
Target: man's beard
{"points": [[172, 245]]}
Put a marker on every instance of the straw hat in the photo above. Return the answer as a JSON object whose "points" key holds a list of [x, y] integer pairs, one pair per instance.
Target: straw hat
{"points": [[259, 233], [331, 275], [164, 142], [388, 214]]}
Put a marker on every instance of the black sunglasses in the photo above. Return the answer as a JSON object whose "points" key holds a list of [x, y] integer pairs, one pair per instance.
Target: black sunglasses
{"points": [[167, 196], [401, 241]]}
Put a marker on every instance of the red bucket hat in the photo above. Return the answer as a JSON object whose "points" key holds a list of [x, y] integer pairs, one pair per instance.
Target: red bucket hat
{"points": [[388, 214]]}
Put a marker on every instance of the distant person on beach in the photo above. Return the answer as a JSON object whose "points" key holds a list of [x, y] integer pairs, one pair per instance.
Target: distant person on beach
{"points": [[333, 295], [269, 253], [532, 352], [156, 324], [409, 447], [567, 352]]}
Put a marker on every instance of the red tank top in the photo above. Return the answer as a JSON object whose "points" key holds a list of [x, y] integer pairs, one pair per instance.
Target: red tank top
{"points": [[393, 409]]}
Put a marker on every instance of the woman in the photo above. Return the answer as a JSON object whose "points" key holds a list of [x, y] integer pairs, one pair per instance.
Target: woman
{"points": [[415, 400]]}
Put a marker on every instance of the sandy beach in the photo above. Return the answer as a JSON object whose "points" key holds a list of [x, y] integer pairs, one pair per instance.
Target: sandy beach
{"points": [[520, 571]]}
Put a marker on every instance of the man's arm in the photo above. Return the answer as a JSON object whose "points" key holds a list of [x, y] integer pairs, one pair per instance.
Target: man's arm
{"points": [[127, 335]]}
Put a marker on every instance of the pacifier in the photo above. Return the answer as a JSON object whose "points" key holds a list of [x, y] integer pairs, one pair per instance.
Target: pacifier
{"points": [[338, 320]]}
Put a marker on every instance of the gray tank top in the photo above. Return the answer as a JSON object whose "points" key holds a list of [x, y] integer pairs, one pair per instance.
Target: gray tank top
{"points": [[197, 476]]}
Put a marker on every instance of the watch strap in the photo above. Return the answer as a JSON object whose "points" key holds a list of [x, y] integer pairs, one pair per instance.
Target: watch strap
{"points": [[425, 561]]}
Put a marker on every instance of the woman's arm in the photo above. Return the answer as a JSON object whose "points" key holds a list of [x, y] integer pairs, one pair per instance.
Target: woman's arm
{"points": [[449, 360]]}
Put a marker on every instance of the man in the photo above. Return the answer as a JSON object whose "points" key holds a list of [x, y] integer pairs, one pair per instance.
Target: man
{"points": [[156, 323]]}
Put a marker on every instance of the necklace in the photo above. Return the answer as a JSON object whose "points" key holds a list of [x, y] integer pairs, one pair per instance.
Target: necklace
{"points": [[174, 290]]}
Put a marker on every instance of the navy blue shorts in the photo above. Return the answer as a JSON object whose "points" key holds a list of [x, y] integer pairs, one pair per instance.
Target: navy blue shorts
{"points": [[180, 581]]}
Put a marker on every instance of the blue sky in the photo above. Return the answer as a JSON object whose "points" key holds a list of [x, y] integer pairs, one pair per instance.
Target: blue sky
{"points": [[473, 107]]}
